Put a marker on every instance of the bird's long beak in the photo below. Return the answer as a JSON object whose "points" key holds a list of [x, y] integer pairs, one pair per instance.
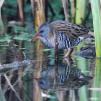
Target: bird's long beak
{"points": [[36, 36]]}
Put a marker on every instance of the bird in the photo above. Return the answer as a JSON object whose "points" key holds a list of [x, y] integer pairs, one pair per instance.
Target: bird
{"points": [[63, 33]]}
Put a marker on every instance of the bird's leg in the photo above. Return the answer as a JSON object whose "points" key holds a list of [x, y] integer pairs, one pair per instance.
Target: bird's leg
{"points": [[69, 52]]}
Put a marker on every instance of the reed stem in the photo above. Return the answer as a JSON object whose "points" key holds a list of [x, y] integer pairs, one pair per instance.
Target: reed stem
{"points": [[39, 16], [80, 11], [65, 7], [82, 64], [96, 12], [1, 21], [72, 3], [21, 10], [96, 87]]}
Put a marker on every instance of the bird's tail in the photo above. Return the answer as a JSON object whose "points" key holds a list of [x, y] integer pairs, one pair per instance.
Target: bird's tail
{"points": [[91, 33]]}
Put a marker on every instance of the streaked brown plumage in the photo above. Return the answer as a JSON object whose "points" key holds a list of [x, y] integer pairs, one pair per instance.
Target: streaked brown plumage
{"points": [[67, 34], [70, 29]]}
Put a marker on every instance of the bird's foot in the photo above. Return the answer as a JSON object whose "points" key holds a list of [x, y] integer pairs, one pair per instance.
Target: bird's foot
{"points": [[68, 53]]}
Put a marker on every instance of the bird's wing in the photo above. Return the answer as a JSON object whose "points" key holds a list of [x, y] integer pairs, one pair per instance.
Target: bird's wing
{"points": [[73, 31]]}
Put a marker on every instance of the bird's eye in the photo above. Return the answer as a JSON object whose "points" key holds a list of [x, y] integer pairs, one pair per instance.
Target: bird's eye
{"points": [[41, 31]]}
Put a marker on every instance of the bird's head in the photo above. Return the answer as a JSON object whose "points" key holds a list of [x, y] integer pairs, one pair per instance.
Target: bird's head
{"points": [[42, 33]]}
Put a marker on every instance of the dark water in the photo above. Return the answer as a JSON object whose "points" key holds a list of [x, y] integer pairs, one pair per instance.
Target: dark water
{"points": [[73, 79], [62, 79]]}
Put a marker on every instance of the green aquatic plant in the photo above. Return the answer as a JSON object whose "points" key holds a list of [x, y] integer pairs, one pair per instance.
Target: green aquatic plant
{"points": [[1, 21], [82, 64], [23, 36], [96, 12], [5, 38], [96, 87], [80, 11], [2, 97]]}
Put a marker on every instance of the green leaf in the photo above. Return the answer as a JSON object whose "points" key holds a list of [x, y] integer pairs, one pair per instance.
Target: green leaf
{"points": [[18, 29], [5, 38], [23, 37]]}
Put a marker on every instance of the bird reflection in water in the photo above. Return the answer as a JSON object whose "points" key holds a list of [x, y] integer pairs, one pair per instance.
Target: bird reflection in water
{"points": [[65, 76]]}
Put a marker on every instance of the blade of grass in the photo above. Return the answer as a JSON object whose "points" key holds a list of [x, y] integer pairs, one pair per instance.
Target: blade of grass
{"points": [[82, 64], [1, 21], [96, 88], [2, 97], [96, 12]]}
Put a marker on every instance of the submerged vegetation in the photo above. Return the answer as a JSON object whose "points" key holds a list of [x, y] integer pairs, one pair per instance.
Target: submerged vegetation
{"points": [[29, 71]]}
